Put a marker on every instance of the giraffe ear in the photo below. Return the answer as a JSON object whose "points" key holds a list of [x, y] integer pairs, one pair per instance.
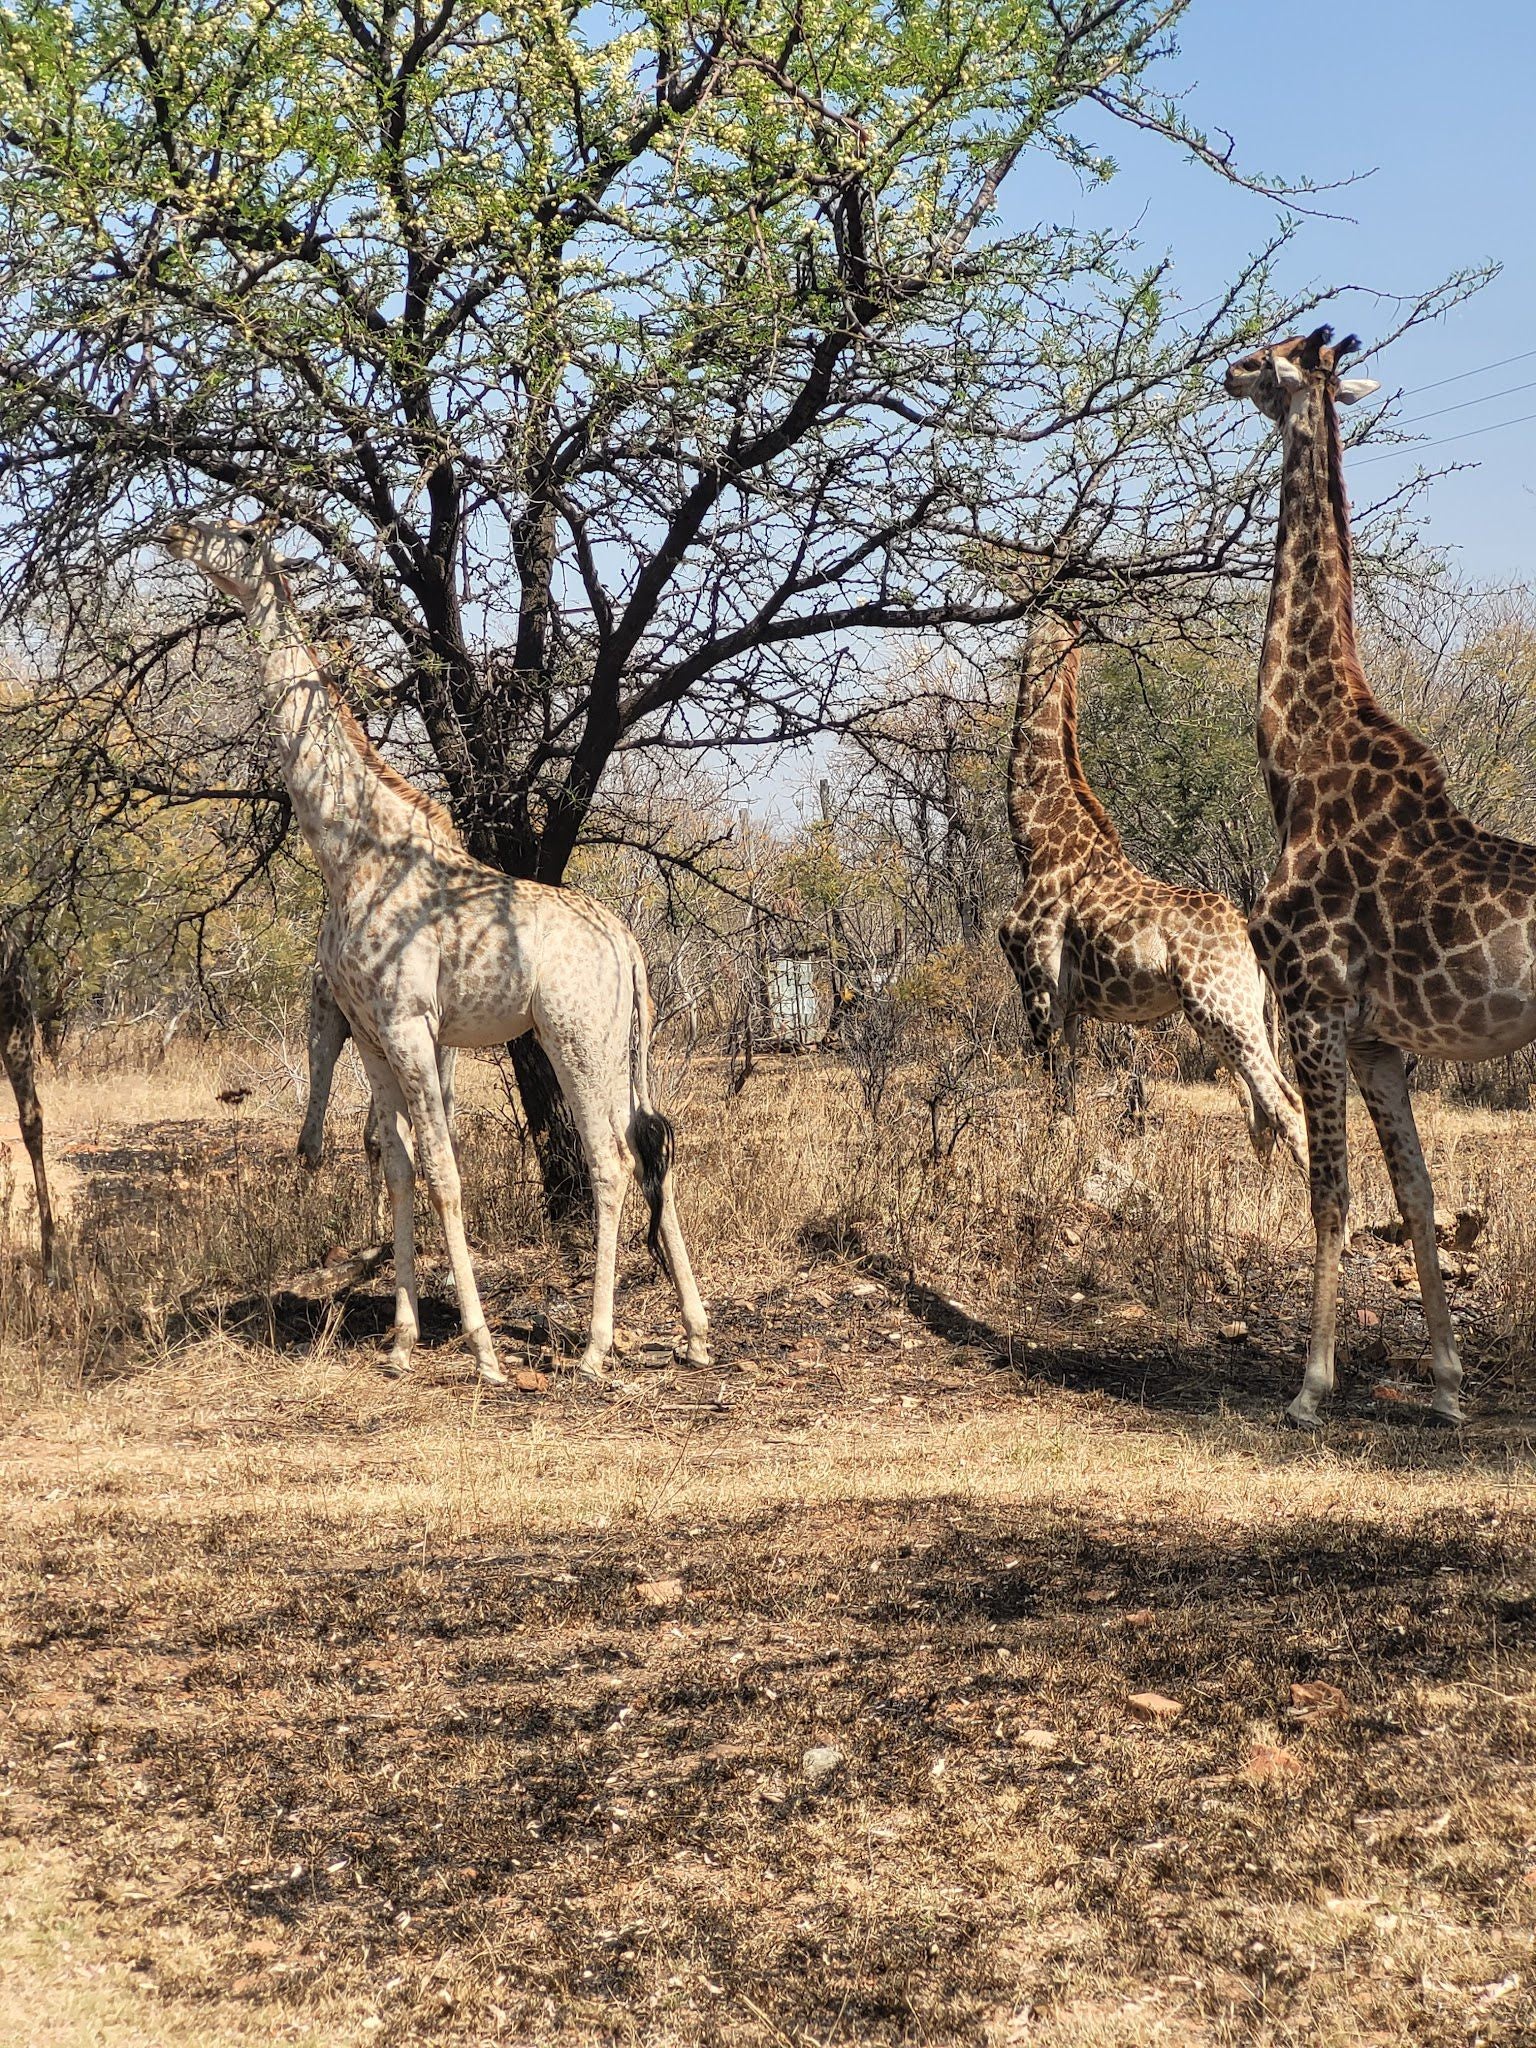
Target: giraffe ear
{"points": [[1349, 390], [1287, 374]]}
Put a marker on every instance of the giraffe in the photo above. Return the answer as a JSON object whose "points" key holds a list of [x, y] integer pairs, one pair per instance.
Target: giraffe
{"points": [[18, 1054], [425, 949], [1091, 935], [1392, 924], [328, 1032]]}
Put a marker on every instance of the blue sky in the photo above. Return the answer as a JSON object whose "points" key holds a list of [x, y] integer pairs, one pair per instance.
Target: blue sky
{"points": [[1439, 105]]}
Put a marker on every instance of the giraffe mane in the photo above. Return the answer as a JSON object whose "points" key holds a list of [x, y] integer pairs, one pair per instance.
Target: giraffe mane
{"points": [[397, 784]]}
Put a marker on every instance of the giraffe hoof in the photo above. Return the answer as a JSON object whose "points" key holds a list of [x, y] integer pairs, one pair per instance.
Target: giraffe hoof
{"points": [[1436, 1418], [1309, 1425], [395, 1365], [491, 1375]]}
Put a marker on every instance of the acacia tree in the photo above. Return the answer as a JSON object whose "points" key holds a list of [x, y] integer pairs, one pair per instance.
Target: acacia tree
{"points": [[623, 367]]}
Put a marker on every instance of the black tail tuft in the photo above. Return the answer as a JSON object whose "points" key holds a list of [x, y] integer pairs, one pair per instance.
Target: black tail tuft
{"points": [[654, 1141]]}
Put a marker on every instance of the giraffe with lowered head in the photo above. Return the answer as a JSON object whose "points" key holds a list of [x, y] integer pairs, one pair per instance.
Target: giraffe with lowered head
{"points": [[1091, 935], [1392, 923], [425, 949]]}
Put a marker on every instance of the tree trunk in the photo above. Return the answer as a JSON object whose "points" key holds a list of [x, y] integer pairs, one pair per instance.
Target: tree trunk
{"points": [[486, 821]]}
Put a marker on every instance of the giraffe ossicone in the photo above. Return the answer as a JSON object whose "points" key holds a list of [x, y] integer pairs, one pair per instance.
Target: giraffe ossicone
{"points": [[1392, 923], [425, 949], [1091, 935]]}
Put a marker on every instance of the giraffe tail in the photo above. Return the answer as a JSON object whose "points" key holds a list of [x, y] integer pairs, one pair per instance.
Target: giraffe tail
{"points": [[650, 1134]]}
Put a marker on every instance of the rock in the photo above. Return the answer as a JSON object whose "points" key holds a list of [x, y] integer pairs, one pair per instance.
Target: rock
{"points": [[527, 1381], [1228, 1988], [342, 1269], [1234, 1332], [1038, 1738], [1394, 1390], [1367, 1318], [819, 1766], [1267, 1765], [1154, 1706], [659, 1592], [1112, 1185], [1317, 1700], [1141, 1617]]}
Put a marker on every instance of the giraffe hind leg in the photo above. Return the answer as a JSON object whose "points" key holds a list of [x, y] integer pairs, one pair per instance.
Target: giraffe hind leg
{"points": [[650, 1139], [1382, 1077], [1271, 1107]]}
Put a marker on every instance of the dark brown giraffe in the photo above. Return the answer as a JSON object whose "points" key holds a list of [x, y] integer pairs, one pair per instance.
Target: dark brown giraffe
{"points": [[1091, 935], [19, 1050], [1392, 924]]}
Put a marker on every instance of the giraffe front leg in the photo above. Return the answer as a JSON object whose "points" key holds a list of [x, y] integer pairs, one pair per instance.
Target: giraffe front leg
{"points": [[328, 1033], [393, 1129], [1025, 948], [1383, 1081], [378, 1185], [1321, 1068], [413, 1058]]}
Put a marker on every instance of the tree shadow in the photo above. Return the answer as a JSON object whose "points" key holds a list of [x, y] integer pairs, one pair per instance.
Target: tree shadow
{"points": [[428, 1751], [1183, 1383]]}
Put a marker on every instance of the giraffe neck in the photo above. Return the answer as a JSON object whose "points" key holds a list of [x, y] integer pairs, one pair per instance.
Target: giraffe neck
{"points": [[339, 800], [1053, 815], [1310, 680]]}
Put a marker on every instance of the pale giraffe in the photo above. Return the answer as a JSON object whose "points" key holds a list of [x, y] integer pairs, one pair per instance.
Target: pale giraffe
{"points": [[424, 949], [327, 1034], [1091, 935], [1392, 924], [19, 1046]]}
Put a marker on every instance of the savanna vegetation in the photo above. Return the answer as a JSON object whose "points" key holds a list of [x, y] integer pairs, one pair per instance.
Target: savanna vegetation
{"points": [[669, 440]]}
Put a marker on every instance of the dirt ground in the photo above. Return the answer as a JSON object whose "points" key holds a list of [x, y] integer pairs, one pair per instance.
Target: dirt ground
{"points": [[967, 1657]]}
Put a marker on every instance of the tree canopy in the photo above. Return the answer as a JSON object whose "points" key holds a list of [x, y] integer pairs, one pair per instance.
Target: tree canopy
{"points": [[623, 366]]}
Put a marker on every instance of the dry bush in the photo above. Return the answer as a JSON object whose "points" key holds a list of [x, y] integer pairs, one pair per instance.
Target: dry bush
{"points": [[964, 1174]]}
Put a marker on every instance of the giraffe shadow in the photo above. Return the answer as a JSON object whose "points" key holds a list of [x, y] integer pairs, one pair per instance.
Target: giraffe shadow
{"points": [[1184, 1385], [284, 1321]]}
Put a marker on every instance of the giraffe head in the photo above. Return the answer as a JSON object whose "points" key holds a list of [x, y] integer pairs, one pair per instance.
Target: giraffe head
{"points": [[1279, 378], [236, 558]]}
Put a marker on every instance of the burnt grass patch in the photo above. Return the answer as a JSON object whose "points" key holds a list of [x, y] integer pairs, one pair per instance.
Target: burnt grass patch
{"points": [[507, 1794]]}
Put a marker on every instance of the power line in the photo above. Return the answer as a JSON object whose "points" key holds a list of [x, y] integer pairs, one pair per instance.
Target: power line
{"points": [[1462, 375], [1462, 405], [1418, 447]]}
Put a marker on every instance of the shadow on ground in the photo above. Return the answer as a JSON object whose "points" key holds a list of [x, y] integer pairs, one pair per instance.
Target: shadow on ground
{"points": [[508, 1780]]}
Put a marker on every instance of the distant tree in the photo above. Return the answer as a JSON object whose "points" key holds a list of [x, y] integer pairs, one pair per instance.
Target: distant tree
{"points": [[1458, 662], [1167, 741]]}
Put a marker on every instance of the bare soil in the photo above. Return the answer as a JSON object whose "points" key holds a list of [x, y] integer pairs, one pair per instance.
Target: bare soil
{"points": [[967, 1658]]}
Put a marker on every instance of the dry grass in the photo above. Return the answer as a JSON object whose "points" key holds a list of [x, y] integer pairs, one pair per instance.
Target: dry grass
{"points": [[335, 1713]]}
